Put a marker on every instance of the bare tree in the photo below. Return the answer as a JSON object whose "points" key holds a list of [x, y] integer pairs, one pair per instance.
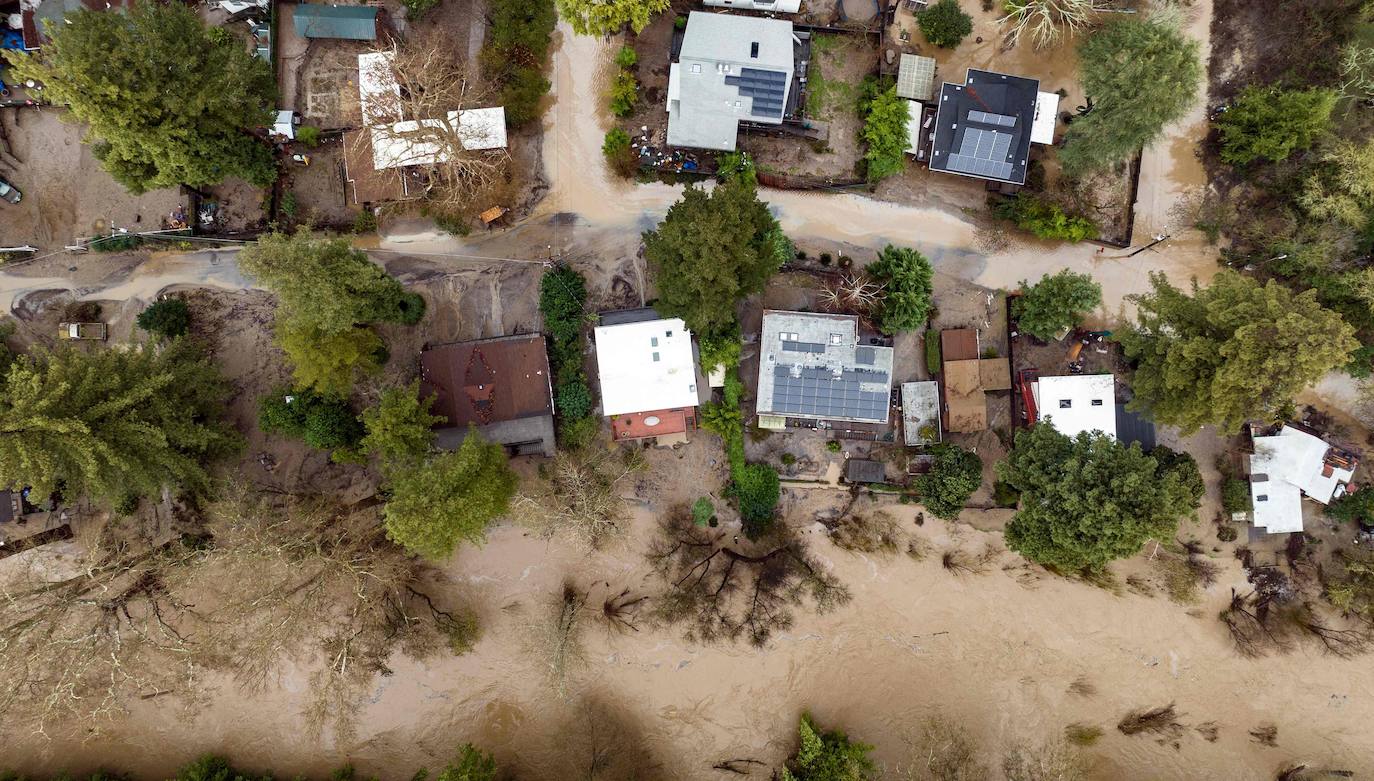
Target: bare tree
{"points": [[944, 750], [1047, 21], [725, 591], [875, 532], [558, 637], [581, 498], [267, 579], [854, 293], [422, 118], [1054, 760]]}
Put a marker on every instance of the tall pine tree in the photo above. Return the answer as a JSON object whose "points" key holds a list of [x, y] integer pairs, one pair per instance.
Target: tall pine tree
{"points": [[109, 423], [167, 101]]}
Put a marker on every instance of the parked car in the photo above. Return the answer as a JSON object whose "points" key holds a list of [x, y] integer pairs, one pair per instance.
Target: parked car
{"points": [[92, 331], [9, 192]]}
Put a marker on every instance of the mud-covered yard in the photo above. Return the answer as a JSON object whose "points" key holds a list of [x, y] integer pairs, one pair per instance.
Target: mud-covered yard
{"points": [[67, 195]]}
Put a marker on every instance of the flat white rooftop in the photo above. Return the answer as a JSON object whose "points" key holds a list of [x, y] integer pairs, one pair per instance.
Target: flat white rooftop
{"points": [[645, 366], [1077, 402]]}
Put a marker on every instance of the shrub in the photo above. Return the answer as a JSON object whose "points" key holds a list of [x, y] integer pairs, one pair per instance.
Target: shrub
{"points": [[756, 489], [289, 206], [885, 133], [702, 511], [365, 222], [932, 346], [168, 317], [680, 23], [324, 422], [834, 446], [620, 155], [788, 459], [415, 9], [624, 94], [308, 135], [1042, 218], [1235, 495], [945, 24], [626, 57], [574, 399], [452, 224], [1227, 533], [1270, 123]]}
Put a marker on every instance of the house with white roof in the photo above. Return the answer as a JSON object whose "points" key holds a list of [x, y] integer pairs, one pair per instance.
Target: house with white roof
{"points": [[731, 69], [1288, 465], [648, 376], [1077, 402]]}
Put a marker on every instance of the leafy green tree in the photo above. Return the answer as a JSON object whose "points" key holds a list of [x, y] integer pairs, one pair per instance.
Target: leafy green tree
{"points": [[1271, 123], [710, 251], [626, 57], [1341, 186], [329, 361], [885, 133], [828, 756], [166, 103], [400, 428], [905, 275], [1235, 351], [214, 768], [168, 317], [112, 422], [327, 294], [952, 479], [472, 764], [1088, 500], [1141, 75], [1055, 303], [324, 283], [604, 17], [450, 498], [945, 24]]}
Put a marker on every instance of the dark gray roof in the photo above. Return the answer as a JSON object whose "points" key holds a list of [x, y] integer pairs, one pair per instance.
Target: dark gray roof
{"points": [[1131, 427], [983, 127], [525, 436], [859, 470]]}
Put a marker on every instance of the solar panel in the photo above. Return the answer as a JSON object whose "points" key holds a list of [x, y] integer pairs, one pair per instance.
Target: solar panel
{"points": [[864, 355], [978, 167], [802, 347], [819, 393], [988, 118], [767, 88]]}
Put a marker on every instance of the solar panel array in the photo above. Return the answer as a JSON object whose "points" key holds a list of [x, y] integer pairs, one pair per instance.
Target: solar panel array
{"points": [[983, 153], [767, 88], [915, 77], [988, 118], [803, 347], [819, 393]]}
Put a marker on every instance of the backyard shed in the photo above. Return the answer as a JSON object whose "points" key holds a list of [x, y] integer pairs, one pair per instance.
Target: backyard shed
{"points": [[916, 77], [346, 22], [859, 470], [920, 413]]}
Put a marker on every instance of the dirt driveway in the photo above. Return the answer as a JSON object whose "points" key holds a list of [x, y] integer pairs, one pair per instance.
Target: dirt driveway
{"points": [[67, 195]]}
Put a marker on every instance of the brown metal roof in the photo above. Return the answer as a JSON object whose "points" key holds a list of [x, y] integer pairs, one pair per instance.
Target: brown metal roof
{"points": [[365, 183], [995, 373], [488, 380], [960, 344]]}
